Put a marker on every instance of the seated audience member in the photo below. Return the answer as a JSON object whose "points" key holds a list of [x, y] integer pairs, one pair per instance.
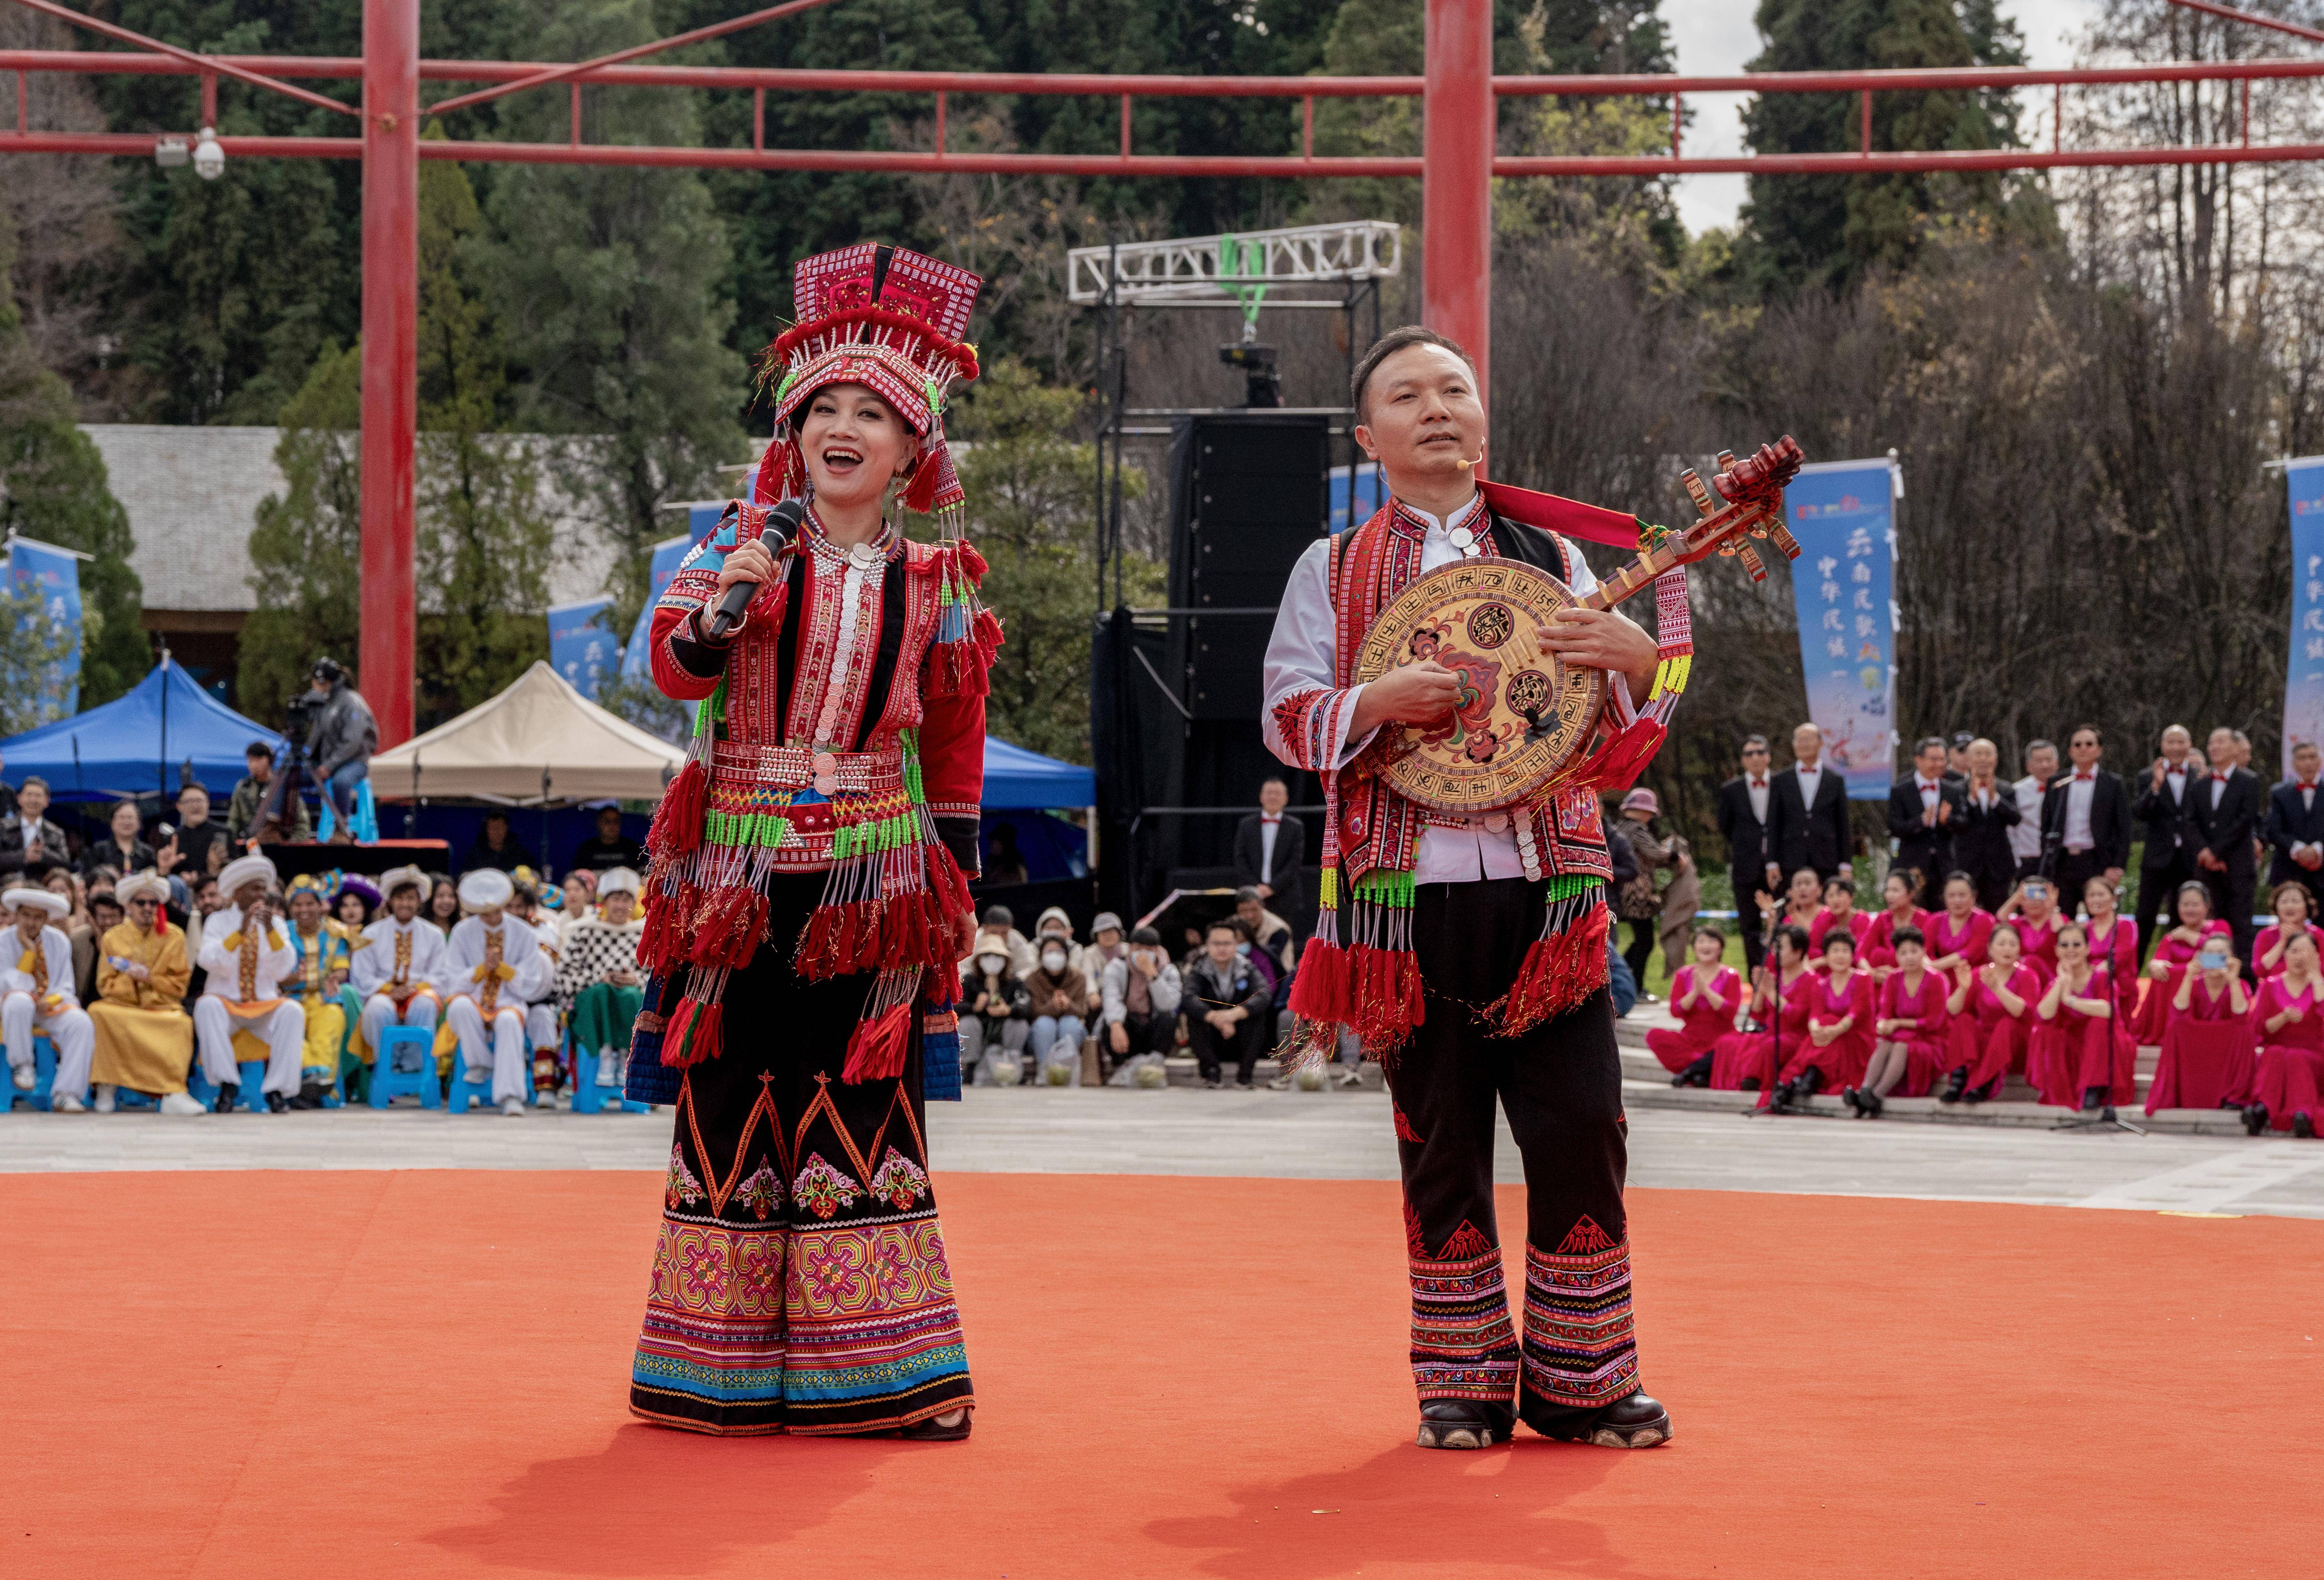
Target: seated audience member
{"points": [[245, 953], [996, 1014], [1958, 935], [1897, 912], [2036, 913], [243, 807], [2291, 1066], [999, 926], [29, 842], [441, 908], [120, 849], [580, 889], [2168, 964], [1271, 935], [1225, 1000], [2113, 947], [1991, 1019], [1704, 994], [199, 844], [2295, 913], [36, 993], [495, 847], [1105, 947], [2209, 1050], [494, 971], [541, 1027], [1801, 903], [2081, 1058], [598, 983], [398, 969], [1746, 1061], [1840, 1012], [1141, 995], [609, 847], [1908, 1030], [144, 1036], [104, 914], [354, 904], [1839, 911], [318, 981], [1059, 998]]}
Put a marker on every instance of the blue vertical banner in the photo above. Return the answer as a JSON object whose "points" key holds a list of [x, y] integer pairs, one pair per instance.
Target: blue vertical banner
{"points": [[1844, 587], [52, 576], [1357, 494], [637, 665], [2303, 683], [581, 646]]}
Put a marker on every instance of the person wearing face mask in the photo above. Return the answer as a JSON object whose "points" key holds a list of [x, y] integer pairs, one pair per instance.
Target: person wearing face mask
{"points": [[1058, 995], [996, 1010], [1140, 993], [1106, 945]]}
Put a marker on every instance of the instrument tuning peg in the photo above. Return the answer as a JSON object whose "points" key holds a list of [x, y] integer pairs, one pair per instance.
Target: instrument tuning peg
{"points": [[1783, 538], [1751, 561], [1725, 461], [1704, 501]]}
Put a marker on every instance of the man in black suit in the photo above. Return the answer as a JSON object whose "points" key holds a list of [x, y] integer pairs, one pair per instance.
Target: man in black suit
{"points": [[1982, 847], [2169, 857], [1807, 819], [1924, 812], [2085, 821], [1743, 809], [2226, 811], [1269, 847], [2295, 827]]}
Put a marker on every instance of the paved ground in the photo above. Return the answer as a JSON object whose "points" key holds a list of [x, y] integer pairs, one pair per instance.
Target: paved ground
{"points": [[1341, 1135]]}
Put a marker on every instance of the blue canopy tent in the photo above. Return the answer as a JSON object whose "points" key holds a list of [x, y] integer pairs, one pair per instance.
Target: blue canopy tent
{"points": [[1021, 786], [138, 744]]}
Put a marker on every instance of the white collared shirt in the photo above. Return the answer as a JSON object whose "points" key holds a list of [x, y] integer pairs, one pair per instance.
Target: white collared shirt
{"points": [[1757, 789], [1931, 789], [1270, 824], [2025, 835], [2079, 791]]}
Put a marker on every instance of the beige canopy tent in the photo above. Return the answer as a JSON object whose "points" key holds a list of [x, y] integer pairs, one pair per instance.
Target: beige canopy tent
{"points": [[537, 743]]}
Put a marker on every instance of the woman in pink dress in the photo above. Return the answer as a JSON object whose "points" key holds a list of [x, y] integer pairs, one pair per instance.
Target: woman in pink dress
{"points": [[1838, 911], [2168, 964], [1839, 1027], [2290, 1021], [2073, 1061], [1896, 911], [1910, 1028], [1957, 935], [1992, 1020], [1745, 1061], [2192, 1072], [1704, 994], [2294, 914], [2032, 910], [2113, 949]]}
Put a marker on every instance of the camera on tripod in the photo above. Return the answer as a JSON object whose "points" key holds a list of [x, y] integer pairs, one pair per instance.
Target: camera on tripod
{"points": [[278, 814]]}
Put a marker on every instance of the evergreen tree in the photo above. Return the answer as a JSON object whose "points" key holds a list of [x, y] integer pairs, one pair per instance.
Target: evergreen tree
{"points": [[53, 487], [1828, 230], [1581, 37], [306, 552]]}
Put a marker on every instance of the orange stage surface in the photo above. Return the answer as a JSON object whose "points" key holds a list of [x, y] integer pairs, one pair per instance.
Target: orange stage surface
{"points": [[344, 1375]]}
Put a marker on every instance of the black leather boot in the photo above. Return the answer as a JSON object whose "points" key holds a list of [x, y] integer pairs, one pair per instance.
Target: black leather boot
{"points": [[1957, 1085], [1638, 1420], [274, 1104], [1465, 1423], [2303, 1126], [2255, 1118], [229, 1095]]}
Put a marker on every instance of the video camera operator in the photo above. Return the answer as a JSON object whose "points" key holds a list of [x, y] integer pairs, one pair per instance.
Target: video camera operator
{"points": [[339, 743], [249, 801]]}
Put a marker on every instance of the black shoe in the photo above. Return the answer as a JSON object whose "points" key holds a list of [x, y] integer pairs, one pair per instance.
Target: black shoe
{"points": [[1874, 1107], [229, 1095], [1636, 1421], [1747, 1084], [1465, 1423], [1809, 1082], [2303, 1126], [311, 1095], [1979, 1095], [2255, 1118], [2093, 1099], [1780, 1101], [935, 1430], [1956, 1087], [274, 1104]]}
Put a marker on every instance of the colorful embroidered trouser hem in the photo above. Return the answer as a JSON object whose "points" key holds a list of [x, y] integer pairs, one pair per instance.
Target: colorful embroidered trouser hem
{"points": [[1560, 1084], [799, 1283]]}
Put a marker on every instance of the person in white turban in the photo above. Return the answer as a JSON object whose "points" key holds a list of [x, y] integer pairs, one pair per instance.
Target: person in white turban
{"points": [[494, 971], [245, 953], [398, 971], [144, 1038], [36, 991]]}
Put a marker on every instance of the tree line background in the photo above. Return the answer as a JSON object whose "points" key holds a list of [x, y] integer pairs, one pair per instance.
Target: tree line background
{"points": [[2082, 373]]}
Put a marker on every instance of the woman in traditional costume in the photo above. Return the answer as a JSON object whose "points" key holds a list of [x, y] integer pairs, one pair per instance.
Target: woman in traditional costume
{"points": [[319, 985], [807, 906], [599, 988], [144, 1038]]}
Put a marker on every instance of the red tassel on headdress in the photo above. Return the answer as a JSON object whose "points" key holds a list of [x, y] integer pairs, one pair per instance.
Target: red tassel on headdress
{"points": [[678, 824], [1560, 971], [920, 492], [876, 1051], [971, 563]]}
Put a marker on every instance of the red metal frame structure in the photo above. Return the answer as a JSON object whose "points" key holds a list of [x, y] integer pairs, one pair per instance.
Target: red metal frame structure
{"points": [[1455, 167]]}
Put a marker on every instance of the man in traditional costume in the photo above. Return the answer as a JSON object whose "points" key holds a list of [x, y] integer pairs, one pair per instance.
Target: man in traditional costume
{"points": [[398, 969], [245, 953], [493, 970], [36, 993], [318, 982], [806, 905], [144, 1038], [598, 982], [1469, 953]]}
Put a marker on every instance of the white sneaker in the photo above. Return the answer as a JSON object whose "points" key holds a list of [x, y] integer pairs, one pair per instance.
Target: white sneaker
{"points": [[176, 1103], [24, 1076], [1349, 1078], [511, 1106], [609, 1072], [104, 1099], [66, 1102]]}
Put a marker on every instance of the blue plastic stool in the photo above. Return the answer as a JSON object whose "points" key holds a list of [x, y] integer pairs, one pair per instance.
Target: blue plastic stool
{"points": [[44, 1076], [588, 1096], [462, 1087], [387, 1081], [253, 1075]]}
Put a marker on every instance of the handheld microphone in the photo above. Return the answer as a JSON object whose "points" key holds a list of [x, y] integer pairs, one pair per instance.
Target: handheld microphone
{"points": [[783, 523]]}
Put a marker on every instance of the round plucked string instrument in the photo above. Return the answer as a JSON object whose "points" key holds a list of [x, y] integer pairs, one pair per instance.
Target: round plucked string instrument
{"points": [[1523, 718]]}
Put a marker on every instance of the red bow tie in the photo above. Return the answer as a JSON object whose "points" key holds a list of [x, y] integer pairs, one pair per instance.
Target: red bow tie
{"points": [[2220, 777], [1758, 784], [2088, 774]]}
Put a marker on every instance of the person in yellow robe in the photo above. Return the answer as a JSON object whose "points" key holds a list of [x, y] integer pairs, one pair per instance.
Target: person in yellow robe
{"points": [[144, 1038], [319, 979]]}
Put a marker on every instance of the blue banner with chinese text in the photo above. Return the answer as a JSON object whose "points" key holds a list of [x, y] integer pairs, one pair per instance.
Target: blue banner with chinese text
{"points": [[637, 664], [2303, 685], [581, 647], [52, 576], [1844, 587]]}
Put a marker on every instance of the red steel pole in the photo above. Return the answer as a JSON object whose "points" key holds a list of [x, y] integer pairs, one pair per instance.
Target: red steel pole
{"points": [[391, 350], [1456, 190]]}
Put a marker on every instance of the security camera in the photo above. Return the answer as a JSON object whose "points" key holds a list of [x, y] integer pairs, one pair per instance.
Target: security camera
{"points": [[209, 155], [170, 153]]}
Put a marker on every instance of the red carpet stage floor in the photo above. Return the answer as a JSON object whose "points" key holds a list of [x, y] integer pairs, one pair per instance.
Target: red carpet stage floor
{"points": [[346, 1375]]}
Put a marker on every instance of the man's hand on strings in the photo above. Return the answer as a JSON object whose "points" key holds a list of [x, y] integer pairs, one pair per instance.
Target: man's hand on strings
{"points": [[1413, 694], [1603, 639]]}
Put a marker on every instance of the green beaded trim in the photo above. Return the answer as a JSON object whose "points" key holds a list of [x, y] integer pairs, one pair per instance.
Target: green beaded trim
{"points": [[1385, 886], [745, 829], [1572, 886]]}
